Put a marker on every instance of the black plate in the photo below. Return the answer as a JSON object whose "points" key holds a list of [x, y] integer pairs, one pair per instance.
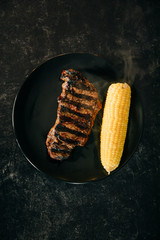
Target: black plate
{"points": [[35, 110]]}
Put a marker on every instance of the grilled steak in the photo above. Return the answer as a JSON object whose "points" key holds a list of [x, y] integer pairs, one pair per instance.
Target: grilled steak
{"points": [[78, 106]]}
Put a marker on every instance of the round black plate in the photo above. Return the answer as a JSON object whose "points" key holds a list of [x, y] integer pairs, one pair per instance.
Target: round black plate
{"points": [[35, 110]]}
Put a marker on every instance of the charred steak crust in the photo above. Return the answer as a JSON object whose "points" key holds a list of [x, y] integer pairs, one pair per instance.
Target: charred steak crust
{"points": [[78, 106]]}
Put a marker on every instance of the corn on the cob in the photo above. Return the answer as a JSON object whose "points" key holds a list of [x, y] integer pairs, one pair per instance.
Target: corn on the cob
{"points": [[114, 125]]}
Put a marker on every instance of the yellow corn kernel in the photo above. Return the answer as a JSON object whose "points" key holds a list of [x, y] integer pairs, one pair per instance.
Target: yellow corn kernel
{"points": [[114, 125]]}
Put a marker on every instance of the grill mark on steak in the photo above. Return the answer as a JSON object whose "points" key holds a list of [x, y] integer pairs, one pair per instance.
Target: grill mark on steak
{"points": [[60, 146], [82, 86], [79, 114], [75, 117], [78, 110], [77, 140], [58, 155], [74, 127], [78, 106], [68, 140], [89, 103], [77, 123], [61, 128], [85, 92], [60, 150], [80, 95]]}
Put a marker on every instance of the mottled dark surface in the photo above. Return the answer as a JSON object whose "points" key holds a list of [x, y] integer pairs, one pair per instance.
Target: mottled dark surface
{"points": [[125, 206]]}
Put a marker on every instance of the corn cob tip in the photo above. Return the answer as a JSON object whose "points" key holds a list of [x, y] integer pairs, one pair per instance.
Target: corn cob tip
{"points": [[108, 171]]}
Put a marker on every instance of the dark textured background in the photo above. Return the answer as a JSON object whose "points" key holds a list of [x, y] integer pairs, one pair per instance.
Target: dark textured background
{"points": [[123, 207]]}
